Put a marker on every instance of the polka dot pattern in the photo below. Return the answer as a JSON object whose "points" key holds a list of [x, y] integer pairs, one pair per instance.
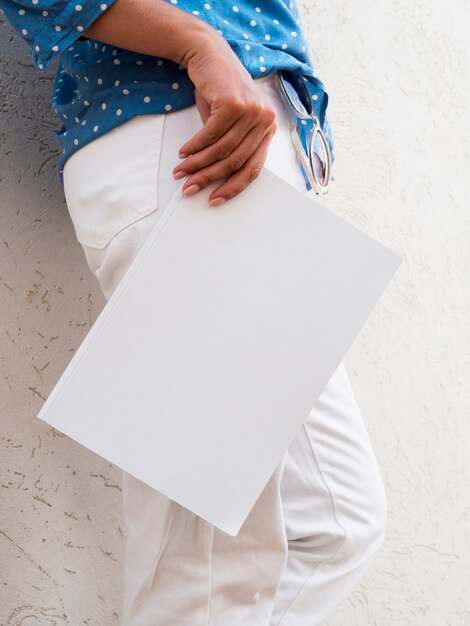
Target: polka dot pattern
{"points": [[99, 86]]}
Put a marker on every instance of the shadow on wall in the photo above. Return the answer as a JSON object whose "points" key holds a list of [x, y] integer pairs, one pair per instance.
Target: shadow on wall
{"points": [[60, 553], [28, 122]]}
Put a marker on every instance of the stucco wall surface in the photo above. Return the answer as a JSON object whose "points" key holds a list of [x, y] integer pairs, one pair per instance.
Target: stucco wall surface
{"points": [[397, 74]]}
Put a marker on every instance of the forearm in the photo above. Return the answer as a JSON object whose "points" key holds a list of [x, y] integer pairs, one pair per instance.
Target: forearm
{"points": [[152, 27]]}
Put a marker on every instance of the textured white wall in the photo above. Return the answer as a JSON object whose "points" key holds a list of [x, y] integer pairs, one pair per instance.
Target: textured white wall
{"points": [[397, 73]]}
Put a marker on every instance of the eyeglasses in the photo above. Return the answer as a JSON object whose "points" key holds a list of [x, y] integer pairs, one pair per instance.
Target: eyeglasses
{"points": [[309, 140]]}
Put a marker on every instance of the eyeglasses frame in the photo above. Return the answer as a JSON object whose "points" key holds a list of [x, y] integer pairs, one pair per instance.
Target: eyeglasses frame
{"points": [[294, 114]]}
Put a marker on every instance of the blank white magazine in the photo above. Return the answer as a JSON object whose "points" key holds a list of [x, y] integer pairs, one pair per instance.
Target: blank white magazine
{"points": [[208, 357]]}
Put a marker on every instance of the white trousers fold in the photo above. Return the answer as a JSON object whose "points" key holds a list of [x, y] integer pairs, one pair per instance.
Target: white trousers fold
{"points": [[321, 518]]}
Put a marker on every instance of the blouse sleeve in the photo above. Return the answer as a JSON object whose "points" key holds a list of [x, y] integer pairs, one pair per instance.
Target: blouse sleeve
{"points": [[49, 26]]}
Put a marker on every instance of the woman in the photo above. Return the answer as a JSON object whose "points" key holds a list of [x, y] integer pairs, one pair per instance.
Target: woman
{"points": [[136, 82]]}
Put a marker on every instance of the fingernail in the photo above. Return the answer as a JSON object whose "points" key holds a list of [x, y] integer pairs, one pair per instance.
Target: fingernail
{"points": [[179, 174], [217, 201], [192, 189], [182, 155]]}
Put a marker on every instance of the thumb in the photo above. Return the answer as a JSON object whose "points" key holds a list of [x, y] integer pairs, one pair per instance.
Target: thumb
{"points": [[202, 106]]}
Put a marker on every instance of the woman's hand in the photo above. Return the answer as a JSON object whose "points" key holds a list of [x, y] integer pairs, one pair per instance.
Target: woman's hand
{"points": [[238, 124]]}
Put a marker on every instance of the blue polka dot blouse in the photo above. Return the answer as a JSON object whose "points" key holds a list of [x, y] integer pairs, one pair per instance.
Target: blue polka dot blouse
{"points": [[99, 86]]}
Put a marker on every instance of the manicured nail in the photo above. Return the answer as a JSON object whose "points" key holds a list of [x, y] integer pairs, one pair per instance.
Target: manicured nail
{"points": [[179, 174], [217, 201], [191, 190]]}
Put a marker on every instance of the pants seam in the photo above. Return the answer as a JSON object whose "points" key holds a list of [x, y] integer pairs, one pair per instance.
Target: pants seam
{"points": [[159, 163], [209, 598], [331, 558], [165, 539]]}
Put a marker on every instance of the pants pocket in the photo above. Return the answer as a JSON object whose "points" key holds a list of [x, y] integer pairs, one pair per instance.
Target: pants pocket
{"points": [[112, 181]]}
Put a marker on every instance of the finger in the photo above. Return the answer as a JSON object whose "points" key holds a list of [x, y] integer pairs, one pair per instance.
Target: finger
{"points": [[221, 118], [219, 150], [239, 181], [204, 177]]}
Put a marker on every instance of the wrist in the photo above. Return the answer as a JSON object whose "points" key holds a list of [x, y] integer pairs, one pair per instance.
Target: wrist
{"points": [[199, 38]]}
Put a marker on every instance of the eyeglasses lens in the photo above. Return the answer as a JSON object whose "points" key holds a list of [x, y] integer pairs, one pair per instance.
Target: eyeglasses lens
{"points": [[294, 96], [319, 158]]}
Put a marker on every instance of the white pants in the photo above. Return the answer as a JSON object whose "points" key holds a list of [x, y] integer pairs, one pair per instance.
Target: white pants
{"points": [[321, 518]]}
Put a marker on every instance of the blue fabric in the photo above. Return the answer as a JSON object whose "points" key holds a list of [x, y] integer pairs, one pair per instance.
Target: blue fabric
{"points": [[98, 86]]}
